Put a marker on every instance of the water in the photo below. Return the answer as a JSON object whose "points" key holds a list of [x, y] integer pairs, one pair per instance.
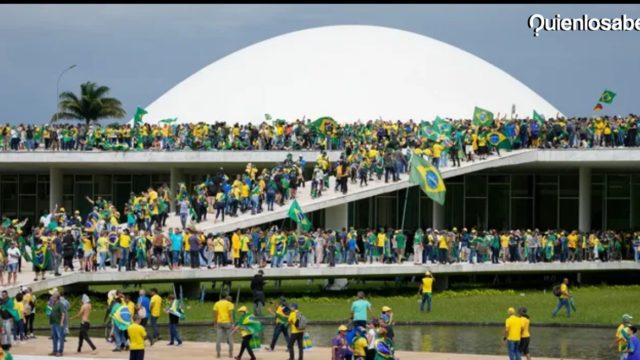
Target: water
{"points": [[576, 343]]}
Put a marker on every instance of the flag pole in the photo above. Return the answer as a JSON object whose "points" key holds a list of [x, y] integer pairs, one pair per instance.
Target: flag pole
{"points": [[406, 195]]}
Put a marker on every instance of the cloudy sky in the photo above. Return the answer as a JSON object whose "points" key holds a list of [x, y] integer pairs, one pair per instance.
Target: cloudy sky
{"points": [[141, 51]]}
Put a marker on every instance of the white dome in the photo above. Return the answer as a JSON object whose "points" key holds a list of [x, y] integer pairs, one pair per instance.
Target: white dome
{"points": [[349, 72]]}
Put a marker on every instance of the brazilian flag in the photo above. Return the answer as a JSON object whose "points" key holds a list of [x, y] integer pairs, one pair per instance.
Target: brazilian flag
{"points": [[296, 214], [537, 117], [176, 309], [498, 139], [248, 322], [426, 130], [137, 119], [482, 117], [168, 121], [9, 307], [121, 317], [41, 257], [442, 126], [321, 124], [428, 177], [607, 97]]}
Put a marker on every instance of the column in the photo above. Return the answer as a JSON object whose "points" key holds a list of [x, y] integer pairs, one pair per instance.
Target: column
{"points": [[438, 216], [56, 179], [337, 217], [584, 200], [177, 176]]}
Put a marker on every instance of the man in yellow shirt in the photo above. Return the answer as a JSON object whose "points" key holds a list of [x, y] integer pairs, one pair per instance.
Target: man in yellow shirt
{"points": [[572, 240], [436, 153], [426, 287], [296, 334], [222, 320], [382, 238], [563, 300], [124, 243], [513, 334], [443, 248], [137, 334], [155, 305]]}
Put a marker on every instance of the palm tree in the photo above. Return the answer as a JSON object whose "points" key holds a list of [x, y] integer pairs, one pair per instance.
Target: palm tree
{"points": [[90, 106]]}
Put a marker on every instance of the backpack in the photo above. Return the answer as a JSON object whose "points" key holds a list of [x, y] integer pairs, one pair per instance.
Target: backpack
{"points": [[556, 290], [301, 321]]}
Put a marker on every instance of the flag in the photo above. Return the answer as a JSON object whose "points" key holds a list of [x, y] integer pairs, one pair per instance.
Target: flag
{"points": [[249, 323], [321, 124], [598, 107], [498, 139], [537, 117], [428, 177], [169, 121], [176, 309], [442, 126], [267, 117], [121, 317], [137, 119], [482, 117], [23, 248], [41, 257], [296, 214], [607, 97], [9, 307]]}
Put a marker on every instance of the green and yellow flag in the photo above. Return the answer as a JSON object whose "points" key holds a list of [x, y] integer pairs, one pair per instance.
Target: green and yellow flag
{"points": [[137, 118], [296, 214], [482, 117], [537, 117], [442, 126], [121, 317], [168, 121], [607, 97], [428, 177], [321, 124], [498, 139]]}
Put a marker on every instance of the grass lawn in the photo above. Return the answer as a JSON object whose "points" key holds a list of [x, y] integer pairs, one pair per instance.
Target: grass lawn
{"points": [[602, 305]]}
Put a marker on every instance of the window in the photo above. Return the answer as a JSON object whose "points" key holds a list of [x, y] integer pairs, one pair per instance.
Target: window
{"points": [[476, 185]]}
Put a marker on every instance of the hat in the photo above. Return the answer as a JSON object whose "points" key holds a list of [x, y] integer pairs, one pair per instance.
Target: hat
{"points": [[386, 308], [627, 317], [428, 273], [294, 306], [342, 328], [53, 291], [61, 209], [242, 309], [511, 310]]}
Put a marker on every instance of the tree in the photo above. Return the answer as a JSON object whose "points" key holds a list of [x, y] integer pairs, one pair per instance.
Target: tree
{"points": [[91, 106]]}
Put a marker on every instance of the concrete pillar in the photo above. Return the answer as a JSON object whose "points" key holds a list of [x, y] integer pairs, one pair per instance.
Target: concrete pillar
{"points": [[56, 179], [438, 216], [584, 200], [177, 176], [337, 217]]}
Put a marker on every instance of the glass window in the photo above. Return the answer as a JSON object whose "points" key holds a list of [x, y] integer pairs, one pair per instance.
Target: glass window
{"points": [[122, 178], [597, 178], [597, 207], [635, 179], [546, 206], [27, 206], [618, 214], [498, 207], [28, 184], [569, 185], [9, 178], [635, 207], [413, 201], [82, 190], [426, 208], [476, 185], [362, 208], [43, 178], [498, 179], [87, 178], [522, 185], [456, 180], [617, 186], [453, 209], [387, 214], [67, 203], [9, 193], [141, 183], [522, 213], [475, 213], [569, 214], [67, 185], [121, 195], [546, 179], [102, 184]]}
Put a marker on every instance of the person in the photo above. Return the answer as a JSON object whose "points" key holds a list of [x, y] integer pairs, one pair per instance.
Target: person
{"points": [[13, 255], [386, 321], [244, 323], [85, 314], [222, 320], [297, 334], [633, 352], [622, 335], [281, 314], [143, 302], [372, 333], [513, 334], [257, 288], [137, 334], [563, 300], [383, 346], [174, 320], [526, 335], [425, 289], [155, 305], [359, 310], [360, 344], [339, 345], [56, 321]]}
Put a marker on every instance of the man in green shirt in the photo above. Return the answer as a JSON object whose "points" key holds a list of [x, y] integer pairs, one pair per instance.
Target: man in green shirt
{"points": [[401, 243], [56, 321]]}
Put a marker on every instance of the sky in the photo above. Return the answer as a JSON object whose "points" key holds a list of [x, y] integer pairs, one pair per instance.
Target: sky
{"points": [[142, 51]]}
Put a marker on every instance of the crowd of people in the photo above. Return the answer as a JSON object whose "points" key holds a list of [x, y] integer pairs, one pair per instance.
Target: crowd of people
{"points": [[556, 132]]}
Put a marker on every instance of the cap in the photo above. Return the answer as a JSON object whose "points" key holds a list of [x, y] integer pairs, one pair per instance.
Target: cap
{"points": [[342, 328], [242, 309], [511, 310], [428, 273], [53, 291], [294, 306], [386, 308], [627, 317]]}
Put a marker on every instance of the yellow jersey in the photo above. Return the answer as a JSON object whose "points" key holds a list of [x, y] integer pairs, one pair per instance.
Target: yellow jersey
{"points": [[155, 304], [292, 322], [525, 327], [137, 334], [513, 325], [427, 285], [222, 309]]}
